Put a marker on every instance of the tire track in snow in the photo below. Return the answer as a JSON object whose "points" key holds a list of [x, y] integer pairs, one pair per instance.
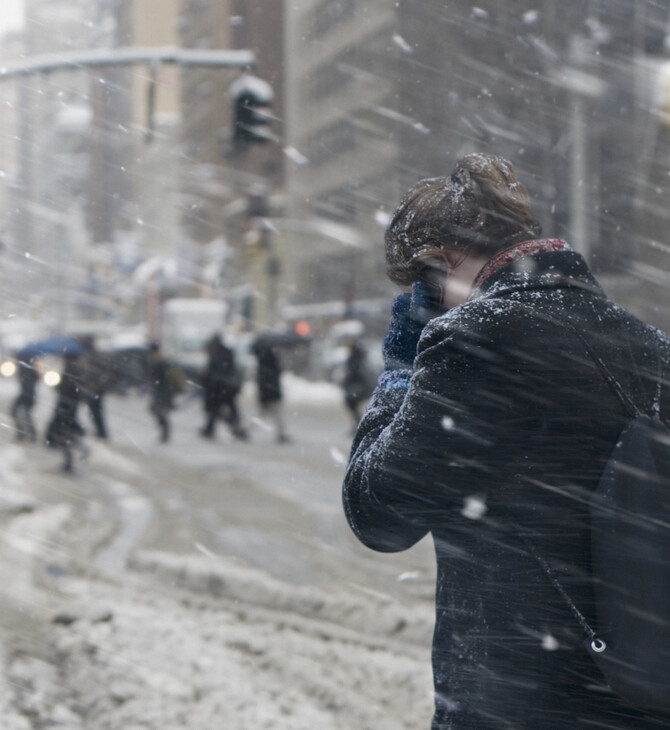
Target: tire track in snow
{"points": [[134, 513]]}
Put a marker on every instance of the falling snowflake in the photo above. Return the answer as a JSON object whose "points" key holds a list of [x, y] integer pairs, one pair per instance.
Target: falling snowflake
{"points": [[448, 423], [402, 44], [479, 13], [474, 507], [205, 551], [262, 424], [295, 156], [550, 643], [382, 218], [420, 127], [530, 17], [338, 456]]}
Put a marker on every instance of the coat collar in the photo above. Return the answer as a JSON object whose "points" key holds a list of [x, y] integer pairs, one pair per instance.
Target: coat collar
{"points": [[547, 263]]}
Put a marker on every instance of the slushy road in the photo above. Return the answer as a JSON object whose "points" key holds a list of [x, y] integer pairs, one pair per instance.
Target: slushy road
{"points": [[276, 506]]}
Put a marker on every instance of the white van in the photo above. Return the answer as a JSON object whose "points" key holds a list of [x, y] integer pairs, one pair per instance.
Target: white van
{"points": [[186, 326]]}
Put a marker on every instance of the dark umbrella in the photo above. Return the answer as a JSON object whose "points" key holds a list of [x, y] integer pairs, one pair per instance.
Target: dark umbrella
{"points": [[52, 346]]}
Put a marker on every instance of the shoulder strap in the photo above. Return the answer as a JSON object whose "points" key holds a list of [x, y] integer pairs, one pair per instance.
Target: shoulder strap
{"points": [[629, 406], [597, 644]]}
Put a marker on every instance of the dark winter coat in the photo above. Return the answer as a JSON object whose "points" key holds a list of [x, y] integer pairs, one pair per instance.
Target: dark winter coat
{"points": [[222, 380], [99, 374], [64, 428], [162, 391], [504, 428], [357, 380], [28, 377], [268, 376]]}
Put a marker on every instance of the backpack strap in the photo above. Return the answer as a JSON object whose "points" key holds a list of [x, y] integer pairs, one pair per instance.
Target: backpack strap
{"points": [[656, 405], [629, 406], [597, 644]]}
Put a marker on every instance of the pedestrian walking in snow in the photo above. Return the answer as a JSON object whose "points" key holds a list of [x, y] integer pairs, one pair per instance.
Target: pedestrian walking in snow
{"points": [[162, 391], [357, 381], [99, 375], [268, 384], [24, 402], [65, 432], [222, 382], [489, 429]]}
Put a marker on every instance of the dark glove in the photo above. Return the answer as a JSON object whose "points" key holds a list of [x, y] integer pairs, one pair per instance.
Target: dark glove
{"points": [[409, 315]]}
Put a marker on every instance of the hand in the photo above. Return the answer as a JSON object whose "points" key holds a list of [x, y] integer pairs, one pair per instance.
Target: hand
{"points": [[409, 315]]}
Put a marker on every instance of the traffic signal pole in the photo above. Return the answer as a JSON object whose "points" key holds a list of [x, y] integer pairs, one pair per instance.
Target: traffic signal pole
{"points": [[251, 96], [126, 56]]}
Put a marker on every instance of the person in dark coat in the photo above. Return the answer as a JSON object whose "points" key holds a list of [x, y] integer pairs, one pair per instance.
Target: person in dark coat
{"points": [[356, 382], [99, 375], [162, 390], [268, 384], [65, 432], [488, 430], [222, 382], [25, 401]]}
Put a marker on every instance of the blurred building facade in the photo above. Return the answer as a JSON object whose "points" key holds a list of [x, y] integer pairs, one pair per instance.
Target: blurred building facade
{"points": [[563, 91], [138, 163], [342, 119], [48, 218], [381, 96], [120, 165], [219, 179], [11, 46]]}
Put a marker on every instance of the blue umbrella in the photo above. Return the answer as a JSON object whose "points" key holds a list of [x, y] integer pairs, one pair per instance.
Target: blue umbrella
{"points": [[52, 346]]}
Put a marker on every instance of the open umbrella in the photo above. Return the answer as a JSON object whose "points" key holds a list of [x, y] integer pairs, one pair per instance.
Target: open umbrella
{"points": [[55, 345]]}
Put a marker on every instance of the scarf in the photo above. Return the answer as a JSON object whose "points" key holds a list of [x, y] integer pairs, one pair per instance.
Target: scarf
{"points": [[516, 252]]}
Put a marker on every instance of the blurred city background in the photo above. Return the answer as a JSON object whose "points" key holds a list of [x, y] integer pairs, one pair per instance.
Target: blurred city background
{"points": [[171, 169], [123, 184]]}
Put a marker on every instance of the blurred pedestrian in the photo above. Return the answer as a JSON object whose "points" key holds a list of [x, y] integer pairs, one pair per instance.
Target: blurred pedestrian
{"points": [[222, 382], [268, 382], [357, 381], [490, 429], [162, 390], [23, 404], [65, 432], [99, 375]]}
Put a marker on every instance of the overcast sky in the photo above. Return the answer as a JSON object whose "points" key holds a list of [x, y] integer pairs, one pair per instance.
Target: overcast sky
{"points": [[11, 15]]}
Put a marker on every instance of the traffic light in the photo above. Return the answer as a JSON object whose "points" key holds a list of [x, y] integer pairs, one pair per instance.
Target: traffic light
{"points": [[252, 99]]}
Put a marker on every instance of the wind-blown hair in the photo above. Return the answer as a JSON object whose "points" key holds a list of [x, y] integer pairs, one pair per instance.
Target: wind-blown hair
{"points": [[481, 208]]}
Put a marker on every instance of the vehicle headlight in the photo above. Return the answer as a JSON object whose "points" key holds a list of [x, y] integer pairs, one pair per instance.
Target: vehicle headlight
{"points": [[8, 368], [51, 378]]}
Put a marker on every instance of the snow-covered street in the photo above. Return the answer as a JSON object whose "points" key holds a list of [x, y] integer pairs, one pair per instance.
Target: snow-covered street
{"points": [[204, 584]]}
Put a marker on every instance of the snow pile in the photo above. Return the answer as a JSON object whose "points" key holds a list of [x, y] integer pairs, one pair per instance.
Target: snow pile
{"points": [[197, 642], [373, 614], [131, 658], [175, 637]]}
